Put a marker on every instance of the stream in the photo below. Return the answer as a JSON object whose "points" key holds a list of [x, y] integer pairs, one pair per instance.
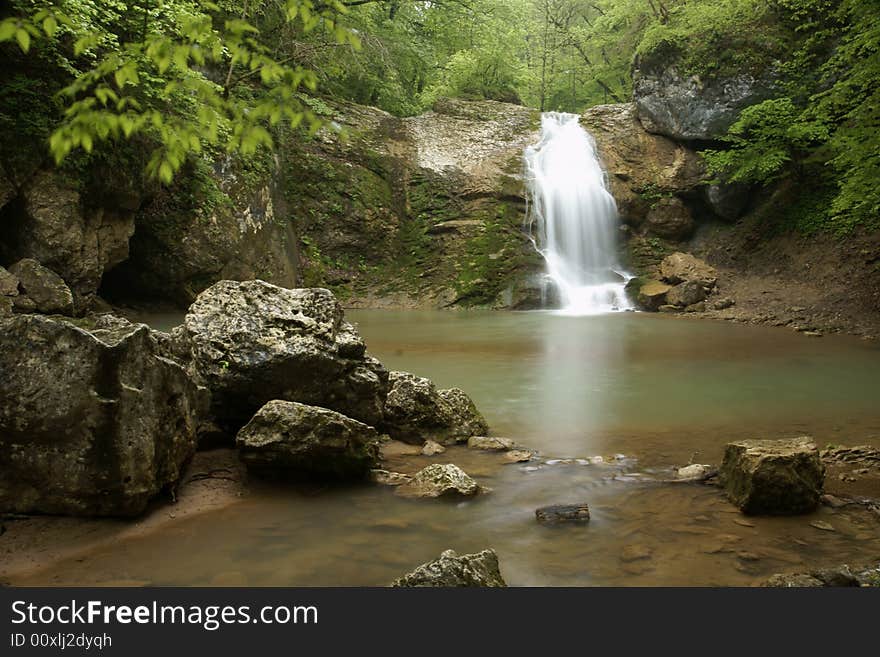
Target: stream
{"points": [[660, 391]]}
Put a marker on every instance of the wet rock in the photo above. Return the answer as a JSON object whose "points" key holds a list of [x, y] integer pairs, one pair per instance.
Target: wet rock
{"points": [[288, 438], [681, 267], [432, 448], [631, 553], [841, 576], [387, 478], [46, 289], [824, 526], [490, 443], [723, 304], [517, 456], [699, 307], [416, 411], [863, 454], [668, 308], [252, 342], [563, 513], [684, 294], [696, 472], [652, 295], [439, 480], [91, 423], [773, 476], [670, 218], [450, 570]]}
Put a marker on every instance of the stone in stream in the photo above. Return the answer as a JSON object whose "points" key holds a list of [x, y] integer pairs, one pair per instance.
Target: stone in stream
{"points": [[841, 576], [92, 422], [432, 448], [451, 570], [439, 480], [416, 411], [490, 443], [517, 456], [46, 289], [387, 478], [293, 439], [652, 295], [563, 513], [778, 477], [252, 342]]}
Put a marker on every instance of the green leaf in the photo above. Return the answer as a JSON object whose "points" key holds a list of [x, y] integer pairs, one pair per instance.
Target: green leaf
{"points": [[24, 39]]}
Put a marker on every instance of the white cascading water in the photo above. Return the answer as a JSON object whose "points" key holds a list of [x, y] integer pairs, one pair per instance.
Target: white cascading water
{"points": [[575, 217]]}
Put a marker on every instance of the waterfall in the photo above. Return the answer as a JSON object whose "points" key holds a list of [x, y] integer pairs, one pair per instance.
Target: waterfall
{"points": [[575, 218]]}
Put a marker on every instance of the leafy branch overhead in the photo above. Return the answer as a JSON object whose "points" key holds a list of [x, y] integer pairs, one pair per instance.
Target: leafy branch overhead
{"points": [[170, 76]]}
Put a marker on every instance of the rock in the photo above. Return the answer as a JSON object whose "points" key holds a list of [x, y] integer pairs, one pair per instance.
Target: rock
{"points": [[670, 218], [641, 166], [23, 304], [438, 480], [668, 308], [686, 294], [724, 303], [727, 200], [253, 342], [450, 570], [631, 553], [690, 107], [652, 295], [8, 283], [387, 478], [563, 513], [695, 472], [5, 306], [830, 577], [681, 267], [780, 477], [43, 287], [306, 441], [91, 422], [824, 526], [432, 448], [491, 444], [699, 307], [517, 456], [416, 411], [54, 226]]}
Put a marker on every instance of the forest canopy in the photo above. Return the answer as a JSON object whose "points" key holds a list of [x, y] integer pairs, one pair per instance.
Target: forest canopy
{"points": [[185, 77]]}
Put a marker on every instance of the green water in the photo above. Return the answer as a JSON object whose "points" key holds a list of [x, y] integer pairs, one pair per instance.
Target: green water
{"points": [[659, 390]]}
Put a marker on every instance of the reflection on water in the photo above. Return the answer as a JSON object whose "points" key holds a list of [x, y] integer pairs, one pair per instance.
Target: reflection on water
{"points": [[659, 390]]}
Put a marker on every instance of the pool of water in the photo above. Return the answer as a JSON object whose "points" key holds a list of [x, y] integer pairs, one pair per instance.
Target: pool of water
{"points": [[661, 391]]}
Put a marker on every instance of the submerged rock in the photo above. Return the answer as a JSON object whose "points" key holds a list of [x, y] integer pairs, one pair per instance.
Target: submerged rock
{"points": [[438, 480], [779, 477], [451, 570], [91, 423], [416, 411], [43, 287], [288, 438], [432, 448], [682, 267], [253, 342], [563, 513], [490, 443], [387, 478]]}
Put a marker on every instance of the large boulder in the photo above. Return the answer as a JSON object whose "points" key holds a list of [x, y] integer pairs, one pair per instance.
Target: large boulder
{"points": [[8, 283], [652, 295], [451, 570], [680, 267], [642, 167], [92, 422], [53, 225], [686, 294], [415, 411], [307, 441], [440, 480], [728, 200], [45, 289], [780, 477], [682, 106], [252, 342], [669, 218]]}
